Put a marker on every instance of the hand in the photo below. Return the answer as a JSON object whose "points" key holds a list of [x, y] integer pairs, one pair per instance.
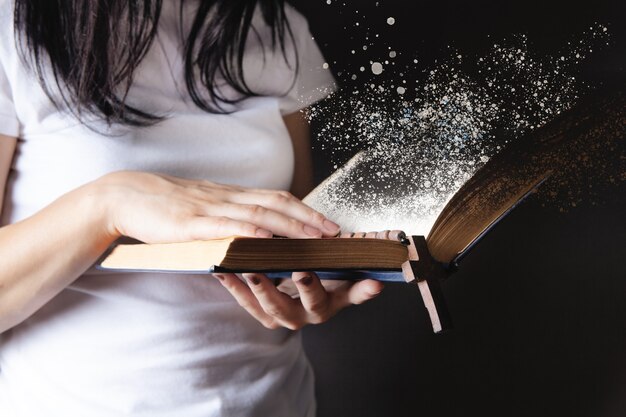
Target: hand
{"points": [[159, 208], [316, 304]]}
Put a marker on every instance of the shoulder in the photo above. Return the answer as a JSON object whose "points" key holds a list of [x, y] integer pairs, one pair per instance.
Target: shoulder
{"points": [[6, 12], [6, 26], [12, 44], [298, 23], [293, 15]]}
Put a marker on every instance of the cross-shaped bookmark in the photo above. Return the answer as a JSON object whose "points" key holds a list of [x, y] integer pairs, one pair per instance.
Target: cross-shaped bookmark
{"points": [[427, 272]]}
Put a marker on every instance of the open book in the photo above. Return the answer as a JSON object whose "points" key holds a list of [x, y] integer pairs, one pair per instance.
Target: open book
{"points": [[492, 192]]}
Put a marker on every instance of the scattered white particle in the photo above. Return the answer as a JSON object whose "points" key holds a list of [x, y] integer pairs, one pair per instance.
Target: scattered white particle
{"points": [[362, 69], [377, 68], [365, 47], [325, 64], [328, 1], [353, 76], [391, 21], [401, 90], [392, 54]]}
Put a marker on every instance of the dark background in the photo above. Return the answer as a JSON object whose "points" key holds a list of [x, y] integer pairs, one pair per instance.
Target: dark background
{"points": [[540, 306]]}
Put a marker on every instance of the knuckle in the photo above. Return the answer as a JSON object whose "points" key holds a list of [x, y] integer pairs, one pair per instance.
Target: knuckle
{"points": [[273, 310], [316, 217], [317, 319], [319, 307], [281, 197], [255, 211], [286, 195], [249, 230], [294, 325], [270, 324], [221, 221], [295, 225], [208, 184], [245, 304], [195, 191]]}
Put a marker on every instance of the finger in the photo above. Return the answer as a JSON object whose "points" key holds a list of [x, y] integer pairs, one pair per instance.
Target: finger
{"points": [[288, 312], [358, 293], [313, 296], [244, 297], [285, 203], [276, 222], [209, 227], [203, 185]]}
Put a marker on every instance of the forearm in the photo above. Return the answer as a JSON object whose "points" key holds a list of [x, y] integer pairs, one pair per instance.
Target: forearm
{"points": [[43, 254], [46, 252]]}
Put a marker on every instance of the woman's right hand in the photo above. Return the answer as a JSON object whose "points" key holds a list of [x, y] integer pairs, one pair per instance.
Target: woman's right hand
{"points": [[158, 208], [149, 207]]}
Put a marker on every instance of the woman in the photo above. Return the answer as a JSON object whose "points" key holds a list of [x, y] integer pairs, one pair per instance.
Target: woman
{"points": [[162, 121]]}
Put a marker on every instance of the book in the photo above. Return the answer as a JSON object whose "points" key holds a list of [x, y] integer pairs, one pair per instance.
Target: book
{"points": [[245, 254], [482, 201]]}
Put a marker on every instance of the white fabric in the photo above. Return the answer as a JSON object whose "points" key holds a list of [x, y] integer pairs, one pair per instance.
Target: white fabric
{"points": [[153, 344]]}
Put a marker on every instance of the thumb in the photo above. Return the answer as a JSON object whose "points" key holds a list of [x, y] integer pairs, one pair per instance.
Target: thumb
{"points": [[362, 291]]}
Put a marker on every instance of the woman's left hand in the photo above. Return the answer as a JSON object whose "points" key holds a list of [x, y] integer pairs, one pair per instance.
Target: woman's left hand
{"points": [[315, 304]]}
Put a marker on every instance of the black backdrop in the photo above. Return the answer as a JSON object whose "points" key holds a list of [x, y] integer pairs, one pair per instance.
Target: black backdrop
{"points": [[539, 307]]}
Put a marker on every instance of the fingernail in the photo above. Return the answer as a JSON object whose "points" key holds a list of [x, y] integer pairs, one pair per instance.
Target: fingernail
{"points": [[219, 276], [312, 231], [331, 226], [253, 279], [381, 287], [305, 280], [263, 233], [384, 234]]}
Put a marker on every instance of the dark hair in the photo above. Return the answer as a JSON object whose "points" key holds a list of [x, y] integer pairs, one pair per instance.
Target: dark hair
{"points": [[94, 47]]}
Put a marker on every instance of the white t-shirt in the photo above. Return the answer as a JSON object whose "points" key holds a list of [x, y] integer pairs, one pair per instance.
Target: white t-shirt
{"points": [[153, 344]]}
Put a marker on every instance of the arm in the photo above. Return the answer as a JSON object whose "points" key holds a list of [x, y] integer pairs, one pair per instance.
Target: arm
{"points": [[300, 134], [85, 221], [33, 270]]}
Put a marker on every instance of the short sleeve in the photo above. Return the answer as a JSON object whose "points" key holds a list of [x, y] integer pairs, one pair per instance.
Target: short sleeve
{"points": [[9, 124], [314, 80]]}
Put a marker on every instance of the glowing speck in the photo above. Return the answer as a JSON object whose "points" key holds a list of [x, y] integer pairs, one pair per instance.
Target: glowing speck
{"points": [[391, 21], [377, 68], [392, 54]]}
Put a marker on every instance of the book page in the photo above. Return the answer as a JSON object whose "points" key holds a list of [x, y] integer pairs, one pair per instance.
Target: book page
{"points": [[364, 196]]}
